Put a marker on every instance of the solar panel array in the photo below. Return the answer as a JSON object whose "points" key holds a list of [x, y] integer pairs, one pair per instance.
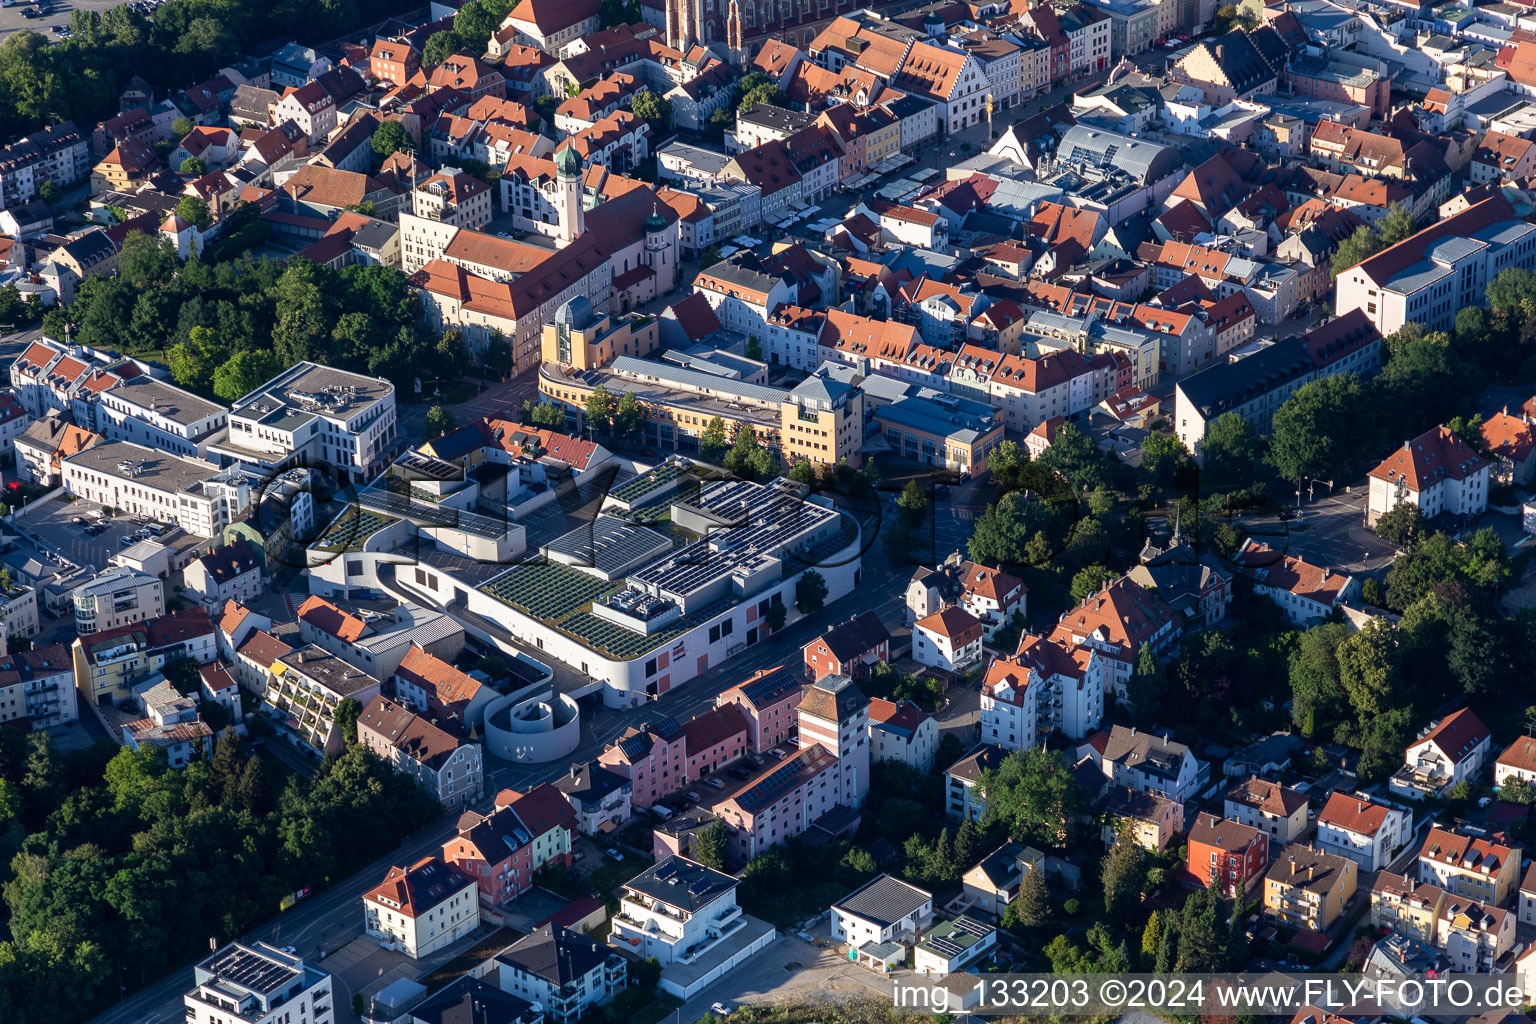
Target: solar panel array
{"points": [[653, 479], [970, 927], [426, 514], [252, 971], [945, 948], [609, 544], [756, 522]]}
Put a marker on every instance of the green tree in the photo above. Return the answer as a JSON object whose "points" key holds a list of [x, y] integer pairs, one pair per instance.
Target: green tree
{"points": [[1230, 454], [146, 262], [1202, 939], [912, 506], [1146, 688], [1089, 581], [1006, 462], [1316, 432], [757, 88], [1122, 875], [630, 419], [618, 12], [600, 407], [1317, 689], [1032, 907], [1034, 794], [181, 127], [388, 138], [547, 414], [194, 361], [243, 373], [1400, 525], [440, 420], [777, 613], [193, 165], [810, 592], [1163, 455], [654, 110], [1151, 937], [194, 210], [440, 46], [711, 844], [803, 472], [713, 443]]}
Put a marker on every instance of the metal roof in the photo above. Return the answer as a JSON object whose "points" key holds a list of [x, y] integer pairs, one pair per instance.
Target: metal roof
{"points": [[884, 901]]}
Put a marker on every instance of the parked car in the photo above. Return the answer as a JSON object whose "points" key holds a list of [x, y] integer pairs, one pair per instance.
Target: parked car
{"points": [[126, 540], [615, 854], [692, 796], [715, 783], [723, 1009]]}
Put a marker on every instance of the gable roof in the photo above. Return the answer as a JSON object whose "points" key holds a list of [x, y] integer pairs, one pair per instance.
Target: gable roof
{"points": [[1433, 456], [1457, 735], [847, 640]]}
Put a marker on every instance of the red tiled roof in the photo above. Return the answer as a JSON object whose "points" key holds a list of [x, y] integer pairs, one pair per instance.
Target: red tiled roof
{"points": [[1433, 456], [331, 620]]}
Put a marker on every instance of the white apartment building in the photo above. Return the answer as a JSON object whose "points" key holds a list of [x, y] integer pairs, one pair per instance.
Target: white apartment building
{"points": [[884, 909], [442, 762], [1474, 935], [259, 984], [902, 732], [1010, 706], [60, 153], [949, 640], [158, 415], [317, 414], [117, 597], [1363, 829], [1145, 762], [1517, 763], [422, 908], [196, 496], [564, 971], [1437, 471], [1451, 751], [1430, 276], [678, 910], [38, 684]]}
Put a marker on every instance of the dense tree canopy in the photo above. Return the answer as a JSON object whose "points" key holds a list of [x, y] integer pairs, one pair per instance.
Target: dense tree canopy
{"points": [[121, 862], [256, 312]]}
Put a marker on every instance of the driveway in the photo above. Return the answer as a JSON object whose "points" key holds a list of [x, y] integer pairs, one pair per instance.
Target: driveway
{"points": [[790, 971]]}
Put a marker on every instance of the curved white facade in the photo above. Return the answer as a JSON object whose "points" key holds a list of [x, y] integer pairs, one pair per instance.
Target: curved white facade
{"points": [[532, 730]]}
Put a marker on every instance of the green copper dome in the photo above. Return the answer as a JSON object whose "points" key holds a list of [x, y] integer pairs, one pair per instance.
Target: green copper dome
{"points": [[568, 163]]}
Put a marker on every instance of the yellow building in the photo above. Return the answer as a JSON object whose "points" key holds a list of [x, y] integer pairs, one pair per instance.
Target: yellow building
{"points": [[108, 664], [583, 339], [1307, 888], [1402, 904], [821, 420]]}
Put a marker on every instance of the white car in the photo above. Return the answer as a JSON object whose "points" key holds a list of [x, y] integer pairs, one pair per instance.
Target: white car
{"points": [[722, 1009], [615, 854], [716, 783]]}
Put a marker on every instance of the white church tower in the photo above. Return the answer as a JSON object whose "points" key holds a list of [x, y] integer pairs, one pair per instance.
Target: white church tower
{"points": [[570, 198]]}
